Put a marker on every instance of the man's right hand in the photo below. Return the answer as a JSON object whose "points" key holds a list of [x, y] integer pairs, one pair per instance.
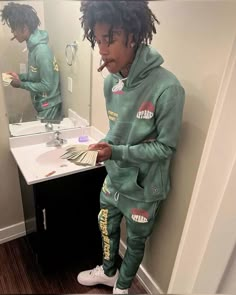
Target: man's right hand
{"points": [[104, 151], [15, 83]]}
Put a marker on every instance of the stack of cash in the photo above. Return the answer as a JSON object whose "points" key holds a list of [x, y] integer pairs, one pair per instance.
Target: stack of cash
{"points": [[80, 155], [6, 79]]}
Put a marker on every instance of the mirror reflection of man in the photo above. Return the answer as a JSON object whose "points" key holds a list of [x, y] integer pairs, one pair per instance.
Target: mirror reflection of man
{"points": [[42, 78]]}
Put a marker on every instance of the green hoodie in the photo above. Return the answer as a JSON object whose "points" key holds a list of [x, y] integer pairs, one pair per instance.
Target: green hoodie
{"points": [[145, 120], [42, 78]]}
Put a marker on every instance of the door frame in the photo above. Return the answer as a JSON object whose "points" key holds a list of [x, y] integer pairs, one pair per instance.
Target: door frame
{"points": [[209, 236]]}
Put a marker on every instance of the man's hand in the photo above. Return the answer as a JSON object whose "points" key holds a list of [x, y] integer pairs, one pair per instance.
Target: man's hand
{"points": [[15, 83], [14, 75], [104, 151]]}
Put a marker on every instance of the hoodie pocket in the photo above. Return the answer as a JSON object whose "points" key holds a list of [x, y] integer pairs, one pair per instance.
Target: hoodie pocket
{"points": [[124, 179], [153, 183]]}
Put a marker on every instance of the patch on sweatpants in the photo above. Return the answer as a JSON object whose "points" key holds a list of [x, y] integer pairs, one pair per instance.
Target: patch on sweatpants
{"points": [[103, 214], [139, 215]]}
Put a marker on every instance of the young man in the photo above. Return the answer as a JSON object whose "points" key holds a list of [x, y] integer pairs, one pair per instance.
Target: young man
{"points": [[42, 78], [144, 105]]}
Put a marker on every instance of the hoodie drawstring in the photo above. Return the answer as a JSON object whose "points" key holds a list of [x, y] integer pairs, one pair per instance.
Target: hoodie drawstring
{"points": [[116, 196], [119, 86]]}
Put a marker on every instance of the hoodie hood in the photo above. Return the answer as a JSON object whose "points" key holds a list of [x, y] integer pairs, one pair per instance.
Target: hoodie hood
{"points": [[146, 59], [36, 38]]}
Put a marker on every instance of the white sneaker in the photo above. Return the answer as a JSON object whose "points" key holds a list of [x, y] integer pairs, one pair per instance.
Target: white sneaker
{"points": [[96, 276], [119, 291]]}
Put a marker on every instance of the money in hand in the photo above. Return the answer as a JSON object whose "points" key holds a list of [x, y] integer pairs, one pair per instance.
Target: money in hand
{"points": [[80, 155]]}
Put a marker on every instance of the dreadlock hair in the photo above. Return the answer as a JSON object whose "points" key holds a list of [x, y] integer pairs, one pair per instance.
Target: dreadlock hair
{"points": [[132, 16], [18, 15]]}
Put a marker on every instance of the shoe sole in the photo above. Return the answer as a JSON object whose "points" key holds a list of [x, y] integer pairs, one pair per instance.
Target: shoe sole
{"points": [[81, 282]]}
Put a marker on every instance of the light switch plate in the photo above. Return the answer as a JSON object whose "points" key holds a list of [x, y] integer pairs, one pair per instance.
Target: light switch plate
{"points": [[22, 68], [70, 82]]}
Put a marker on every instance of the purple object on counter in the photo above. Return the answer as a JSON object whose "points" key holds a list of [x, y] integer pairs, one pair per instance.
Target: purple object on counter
{"points": [[83, 138]]}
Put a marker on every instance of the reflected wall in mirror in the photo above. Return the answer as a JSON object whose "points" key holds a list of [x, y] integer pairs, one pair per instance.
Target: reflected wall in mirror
{"points": [[61, 20]]}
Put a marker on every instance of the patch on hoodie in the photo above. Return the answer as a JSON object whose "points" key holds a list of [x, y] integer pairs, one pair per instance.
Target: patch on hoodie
{"points": [[55, 65], [45, 104], [120, 92], [146, 110], [112, 115], [139, 215], [33, 69], [105, 188]]}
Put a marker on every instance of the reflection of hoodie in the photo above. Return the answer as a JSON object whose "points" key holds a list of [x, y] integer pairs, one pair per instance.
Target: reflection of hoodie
{"points": [[145, 121], [42, 79]]}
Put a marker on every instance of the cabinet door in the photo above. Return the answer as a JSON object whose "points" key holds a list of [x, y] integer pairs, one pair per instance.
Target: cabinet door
{"points": [[67, 210]]}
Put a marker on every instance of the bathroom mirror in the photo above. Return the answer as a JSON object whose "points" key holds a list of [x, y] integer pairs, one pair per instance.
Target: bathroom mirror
{"points": [[61, 20]]}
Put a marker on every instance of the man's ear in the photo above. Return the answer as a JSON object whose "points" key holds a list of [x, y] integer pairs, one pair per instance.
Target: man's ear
{"points": [[131, 43], [26, 31]]}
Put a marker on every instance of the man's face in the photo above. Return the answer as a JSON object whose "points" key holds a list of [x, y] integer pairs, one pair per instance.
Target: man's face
{"points": [[21, 33], [117, 54]]}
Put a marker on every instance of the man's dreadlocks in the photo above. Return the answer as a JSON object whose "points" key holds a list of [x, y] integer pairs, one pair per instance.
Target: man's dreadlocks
{"points": [[18, 15], [132, 16]]}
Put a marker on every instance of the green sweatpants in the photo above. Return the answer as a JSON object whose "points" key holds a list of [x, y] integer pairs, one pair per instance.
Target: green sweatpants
{"points": [[140, 219]]}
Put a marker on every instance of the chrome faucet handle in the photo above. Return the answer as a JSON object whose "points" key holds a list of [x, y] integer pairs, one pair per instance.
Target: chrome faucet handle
{"points": [[49, 126], [57, 134], [56, 141], [63, 141]]}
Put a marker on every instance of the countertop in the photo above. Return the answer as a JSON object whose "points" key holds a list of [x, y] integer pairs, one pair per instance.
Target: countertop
{"points": [[38, 162]]}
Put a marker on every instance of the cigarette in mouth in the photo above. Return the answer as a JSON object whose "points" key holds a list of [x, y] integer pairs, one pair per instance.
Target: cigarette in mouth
{"points": [[13, 38], [102, 66]]}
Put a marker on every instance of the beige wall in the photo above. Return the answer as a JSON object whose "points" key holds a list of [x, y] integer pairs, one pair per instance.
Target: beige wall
{"points": [[18, 101], [63, 25], [195, 39], [10, 199], [228, 283]]}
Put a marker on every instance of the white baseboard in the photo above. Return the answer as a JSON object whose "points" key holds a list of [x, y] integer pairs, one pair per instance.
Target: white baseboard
{"points": [[12, 232], [30, 225], [143, 276]]}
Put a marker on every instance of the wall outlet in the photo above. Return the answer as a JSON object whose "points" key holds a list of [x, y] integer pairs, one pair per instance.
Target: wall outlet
{"points": [[23, 69], [69, 82]]}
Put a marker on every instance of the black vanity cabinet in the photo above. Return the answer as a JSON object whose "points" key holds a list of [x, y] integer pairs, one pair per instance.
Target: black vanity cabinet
{"points": [[61, 219]]}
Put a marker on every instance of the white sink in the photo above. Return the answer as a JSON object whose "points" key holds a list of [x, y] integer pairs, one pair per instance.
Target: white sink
{"points": [[38, 162], [52, 157]]}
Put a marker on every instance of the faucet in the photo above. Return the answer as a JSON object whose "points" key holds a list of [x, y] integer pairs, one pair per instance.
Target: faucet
{"points": [[49, 126], [56, 141], [49, 123]]}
